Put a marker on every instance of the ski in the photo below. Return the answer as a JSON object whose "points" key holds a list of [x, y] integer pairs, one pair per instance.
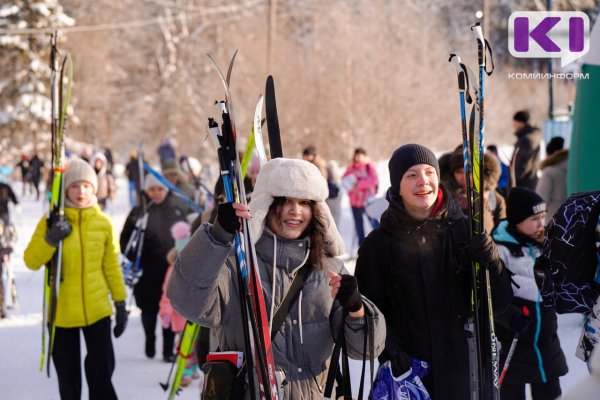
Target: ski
{"points": [[488, 347], [257, 129], [184, 350], [61, 98], [272, 119], [250, 285], [465, 77], [132, 269], [255, 141]]}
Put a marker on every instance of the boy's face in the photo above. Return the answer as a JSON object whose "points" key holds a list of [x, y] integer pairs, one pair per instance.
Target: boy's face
{"points": [[419, 189], [533, 226]]}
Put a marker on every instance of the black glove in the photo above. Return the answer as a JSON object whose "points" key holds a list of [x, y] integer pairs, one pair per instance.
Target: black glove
{"points": [[401, 362], [57, 232], [348, 294], [483, 250], [520, 322], [120, 319], [227, 218]]}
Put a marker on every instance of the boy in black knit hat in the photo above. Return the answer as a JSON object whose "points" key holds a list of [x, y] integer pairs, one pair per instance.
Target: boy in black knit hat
{"points": [[416, 269], [538, 359]]}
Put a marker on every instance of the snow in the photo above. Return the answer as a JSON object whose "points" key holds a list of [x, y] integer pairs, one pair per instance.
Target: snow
{"points": [[137, 377]]}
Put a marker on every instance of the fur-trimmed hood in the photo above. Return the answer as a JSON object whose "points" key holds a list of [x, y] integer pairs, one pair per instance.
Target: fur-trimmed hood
{"points": [[491, 171], [283, 177], [556, 158]]}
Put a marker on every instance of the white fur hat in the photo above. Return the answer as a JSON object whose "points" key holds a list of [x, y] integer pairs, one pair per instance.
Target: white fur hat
{"points": [[283, 177]]}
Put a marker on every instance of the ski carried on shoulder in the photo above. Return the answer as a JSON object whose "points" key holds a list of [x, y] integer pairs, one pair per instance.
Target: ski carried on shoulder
{"points": [[258, 348], [61, 98]]}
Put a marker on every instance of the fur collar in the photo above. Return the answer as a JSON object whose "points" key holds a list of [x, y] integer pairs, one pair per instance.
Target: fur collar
{"points": [[556, 158]]}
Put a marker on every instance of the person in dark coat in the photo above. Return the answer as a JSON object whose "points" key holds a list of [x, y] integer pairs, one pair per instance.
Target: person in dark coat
{"points": [[25, 173], [528, 156], [132, 171], [35, 173], [7, 194], [162, 214], [416, 269], [538, 358]]}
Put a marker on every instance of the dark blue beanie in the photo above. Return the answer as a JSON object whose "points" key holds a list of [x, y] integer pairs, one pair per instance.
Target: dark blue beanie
{"points": [[405, 157]]}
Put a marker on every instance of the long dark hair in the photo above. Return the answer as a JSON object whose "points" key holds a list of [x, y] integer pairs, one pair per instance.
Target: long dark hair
{"points": [[315, 230]]}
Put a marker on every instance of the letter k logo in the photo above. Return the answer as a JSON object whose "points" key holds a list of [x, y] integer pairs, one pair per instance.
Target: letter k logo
{"points": [[539, 34]]}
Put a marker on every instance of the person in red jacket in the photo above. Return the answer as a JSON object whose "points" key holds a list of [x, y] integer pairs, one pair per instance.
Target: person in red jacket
{"points": [[360, 180], [90, 271]]}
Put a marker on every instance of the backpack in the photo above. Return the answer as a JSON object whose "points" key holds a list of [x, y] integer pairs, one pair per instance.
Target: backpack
{"points": [[566, 271]]}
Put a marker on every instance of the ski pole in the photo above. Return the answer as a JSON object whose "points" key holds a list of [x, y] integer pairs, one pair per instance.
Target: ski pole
{"points": [[511, 351]]}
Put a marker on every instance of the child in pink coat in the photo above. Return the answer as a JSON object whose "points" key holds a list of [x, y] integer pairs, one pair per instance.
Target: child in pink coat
{"points": [[360, 180], [169, 317]]}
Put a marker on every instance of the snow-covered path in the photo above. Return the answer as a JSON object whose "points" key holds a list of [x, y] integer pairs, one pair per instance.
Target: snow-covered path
{"points": [[135, 376]]}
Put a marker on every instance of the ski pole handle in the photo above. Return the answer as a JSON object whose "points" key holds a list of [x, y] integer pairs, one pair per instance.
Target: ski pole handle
{"points": [[455, 59], [478, 32]]}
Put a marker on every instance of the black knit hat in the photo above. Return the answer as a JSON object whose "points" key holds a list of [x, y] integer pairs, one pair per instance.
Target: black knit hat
{"points": [[555, 144], [521, 116], [523, 203], [405, 157]]}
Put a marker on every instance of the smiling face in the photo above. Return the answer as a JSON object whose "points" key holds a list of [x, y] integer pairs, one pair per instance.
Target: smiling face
{"points": [[80, 193], [291, 218], [533, 226], [419, 190]]}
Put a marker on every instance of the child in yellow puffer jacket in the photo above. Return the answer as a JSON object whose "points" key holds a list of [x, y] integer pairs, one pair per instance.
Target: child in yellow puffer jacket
{"points": [[90, 270]]}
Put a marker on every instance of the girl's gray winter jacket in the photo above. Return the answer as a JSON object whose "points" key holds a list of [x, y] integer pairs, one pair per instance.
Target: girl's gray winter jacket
{"points": [[203, 288]]}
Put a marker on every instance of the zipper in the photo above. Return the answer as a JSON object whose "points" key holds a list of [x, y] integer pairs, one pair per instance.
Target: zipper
{"points": [[82, 267]]}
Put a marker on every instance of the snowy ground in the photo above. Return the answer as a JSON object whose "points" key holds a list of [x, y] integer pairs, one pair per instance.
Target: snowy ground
{"points": [[135, 376]]}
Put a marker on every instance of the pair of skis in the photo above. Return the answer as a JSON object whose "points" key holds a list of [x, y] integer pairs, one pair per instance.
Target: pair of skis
{"points": [[184, 352], [483, 349], [255, 324], [60, 88]]}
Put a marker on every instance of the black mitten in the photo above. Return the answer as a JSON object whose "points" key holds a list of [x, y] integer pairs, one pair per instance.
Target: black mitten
{"points": [[348, 294], [401, 362], [520, 322], [120, 319], [483, 250], [57, 232], [227, 218]]}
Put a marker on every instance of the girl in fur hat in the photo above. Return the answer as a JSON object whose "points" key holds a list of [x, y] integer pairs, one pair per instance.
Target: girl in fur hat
{"points": [[90, 271], [292, 226]]}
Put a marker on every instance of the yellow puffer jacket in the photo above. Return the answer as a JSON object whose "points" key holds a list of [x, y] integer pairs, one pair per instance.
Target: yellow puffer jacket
{"points": [[90, 267]]}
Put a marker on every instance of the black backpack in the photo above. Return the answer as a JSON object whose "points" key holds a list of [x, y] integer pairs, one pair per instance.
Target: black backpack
{"points": [[566, 271]]}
